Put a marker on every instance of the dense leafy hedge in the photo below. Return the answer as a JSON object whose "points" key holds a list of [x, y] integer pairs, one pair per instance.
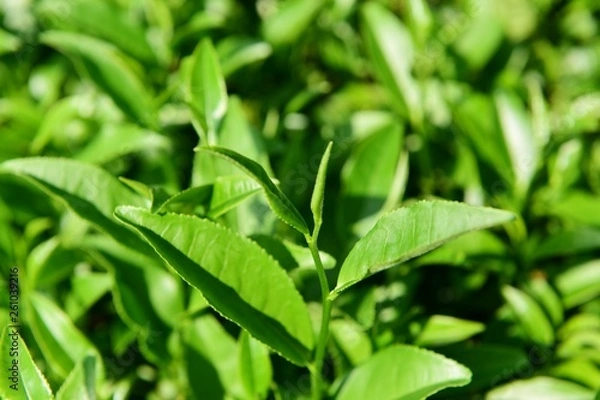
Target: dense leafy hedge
{"points": [[168, 168]]}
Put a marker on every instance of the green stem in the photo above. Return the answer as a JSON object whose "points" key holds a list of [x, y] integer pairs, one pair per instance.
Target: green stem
{"points": [[325, 316]]}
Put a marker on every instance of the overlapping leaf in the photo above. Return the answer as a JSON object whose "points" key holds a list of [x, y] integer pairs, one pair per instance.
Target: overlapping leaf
{"points": [[231, 272], [278, 201], [88, 190], [22, 378]]}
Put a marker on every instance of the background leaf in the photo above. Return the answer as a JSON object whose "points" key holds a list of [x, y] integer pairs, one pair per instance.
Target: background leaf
{"points": [[540, 387], [411, 231], [29, 383], [391, 49], [280, 204], [206, 91], [110, 70], [405, 372], [62, 344], [530, 315]]}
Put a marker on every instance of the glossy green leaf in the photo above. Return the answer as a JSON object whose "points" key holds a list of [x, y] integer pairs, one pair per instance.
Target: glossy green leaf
{"points": [[530, 315], [8, 43], [540, 388], [316, 201], [237, 52], [508, 361], [579, 322], [369, 175], [579, 283], [479, 40], [114, 141], [149, 299], [206, 91], [255, 366], [565, 167], [468, 250], [578, 206], [62, 344], [58, 115], [476, 117], [50, 262], [230, 271], [403, 372], [22, 378], [584, 344], [278, 201], [293, 18], [101, 20], [110, 70], [391, 50], [156, 196], [210, 352], [569, 242], [420, 20], [237, 134], [87, 289], [411, 231], [442, 329], [80, 384], [540, 289], [577, 370], [187, 199], [352, 340], [89, 191], [518, 136], [228, 192]]}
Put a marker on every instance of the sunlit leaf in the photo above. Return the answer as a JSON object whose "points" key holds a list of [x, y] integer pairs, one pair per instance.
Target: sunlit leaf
{"points": [[80, 384], [530, 315], [110, 70], [89, 191], [206, 91], [255, 366], [411, 231], [404, 372], [62, 344], [540, 388], [316, 201], [442, 329], [391, 50], [579, 283], [23, 380], [286, 25], [218, 263]]}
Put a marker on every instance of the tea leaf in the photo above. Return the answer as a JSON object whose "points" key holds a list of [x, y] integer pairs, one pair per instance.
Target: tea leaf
{"points": [[110, 70], [411, 231], [231, 272], [405, 372], [206, 91], [91, 192], [19, 369], [530, 315], [279, 203]]}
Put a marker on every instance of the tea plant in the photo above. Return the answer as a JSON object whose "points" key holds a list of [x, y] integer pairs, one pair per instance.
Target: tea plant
{"points": [[313, 199]]}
